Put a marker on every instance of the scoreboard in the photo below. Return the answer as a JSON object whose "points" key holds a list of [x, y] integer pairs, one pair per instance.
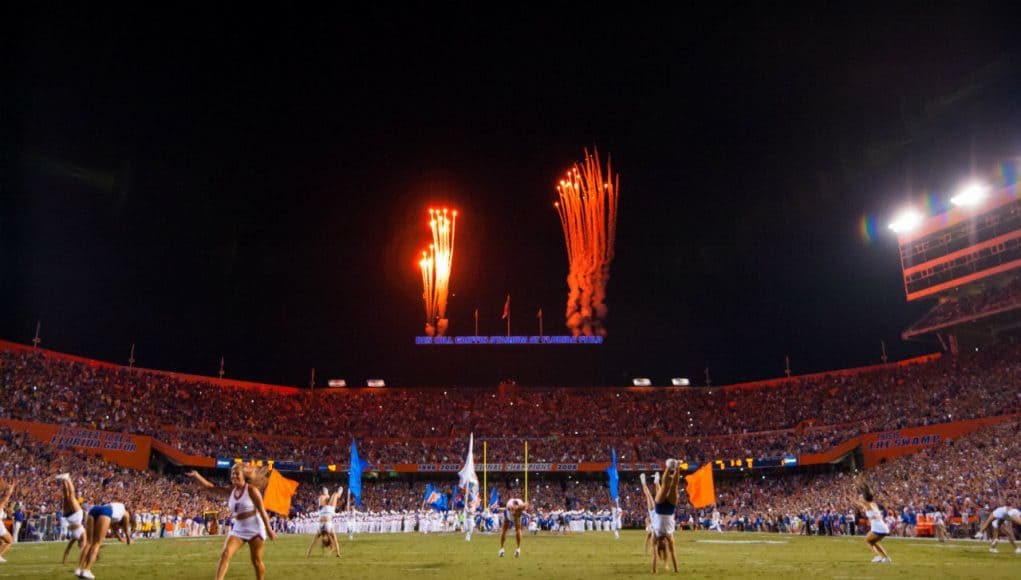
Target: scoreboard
{"points": [[961, 246]]}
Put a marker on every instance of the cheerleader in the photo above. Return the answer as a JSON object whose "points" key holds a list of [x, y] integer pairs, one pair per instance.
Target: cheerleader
{"points": [[114, 517], [650, 506], [512, 517], [325, 531], [72, 511], [878, 529], [6, 540], [251, 522], [1001, 518], [664, 508]]}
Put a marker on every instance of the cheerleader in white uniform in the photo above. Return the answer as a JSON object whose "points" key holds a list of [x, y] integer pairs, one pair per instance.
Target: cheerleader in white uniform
{"points": [[72, 511], [878, 528], [251, 522], [650, 506], [6, 540], [102, 518], [512, 518], [325, 531], [1001, 518], [663, 514]]}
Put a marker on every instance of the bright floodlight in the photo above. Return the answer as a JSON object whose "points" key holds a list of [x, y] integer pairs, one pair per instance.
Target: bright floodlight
{"points": [[641, 382], [906, 221], [972, 194], [680, 382]]}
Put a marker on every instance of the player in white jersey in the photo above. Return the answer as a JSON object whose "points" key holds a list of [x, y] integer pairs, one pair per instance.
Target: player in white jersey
{"points": [[878, 528], [72, 511], [251, 522], [325, 531], [6, 540]]}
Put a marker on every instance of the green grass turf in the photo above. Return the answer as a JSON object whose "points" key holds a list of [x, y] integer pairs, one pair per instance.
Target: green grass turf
{"points": [[590, 555]]}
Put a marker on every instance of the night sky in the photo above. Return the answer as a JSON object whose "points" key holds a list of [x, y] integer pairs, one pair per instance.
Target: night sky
{"points": [[255, 185]]}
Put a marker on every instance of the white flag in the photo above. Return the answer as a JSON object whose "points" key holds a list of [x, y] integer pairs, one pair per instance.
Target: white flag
{"points": [[467, 474]]}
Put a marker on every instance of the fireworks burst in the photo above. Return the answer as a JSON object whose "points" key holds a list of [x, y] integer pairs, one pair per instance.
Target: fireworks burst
{"points": [[588, 214], [436, 263]]}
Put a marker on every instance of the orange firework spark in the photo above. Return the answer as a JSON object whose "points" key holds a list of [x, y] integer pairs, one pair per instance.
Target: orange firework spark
{"points": [[587, 207], [436, 264]]}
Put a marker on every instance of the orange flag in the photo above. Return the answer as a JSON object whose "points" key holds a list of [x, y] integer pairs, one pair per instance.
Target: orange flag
{"points": [[700, 487], [278, 493]]}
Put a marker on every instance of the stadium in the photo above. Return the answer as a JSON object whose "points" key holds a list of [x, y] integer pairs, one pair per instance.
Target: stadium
{"points": [[657, 421]]}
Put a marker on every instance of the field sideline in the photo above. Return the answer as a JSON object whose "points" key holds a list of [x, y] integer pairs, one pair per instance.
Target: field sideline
{"points": [[583, 556]]}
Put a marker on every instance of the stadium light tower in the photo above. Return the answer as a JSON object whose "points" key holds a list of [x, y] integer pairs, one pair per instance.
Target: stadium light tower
{"points": [[906, 221], [972, 194]]}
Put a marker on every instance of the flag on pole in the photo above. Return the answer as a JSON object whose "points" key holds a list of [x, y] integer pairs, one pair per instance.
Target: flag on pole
{"points": [[279, 492], [494, 499], [434, 498], [614, 477], [701, 491], [506, 308], [354, 473], [468, 480]]}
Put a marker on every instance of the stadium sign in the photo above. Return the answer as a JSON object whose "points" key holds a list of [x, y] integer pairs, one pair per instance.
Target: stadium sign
{"points": [[505, 340]]}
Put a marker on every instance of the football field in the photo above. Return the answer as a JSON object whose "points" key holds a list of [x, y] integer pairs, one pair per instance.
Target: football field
{"points": [[589, 555]]}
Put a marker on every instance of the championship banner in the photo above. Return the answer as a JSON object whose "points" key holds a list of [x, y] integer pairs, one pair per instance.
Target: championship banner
{"points": [[121, 448], [453, 468]]}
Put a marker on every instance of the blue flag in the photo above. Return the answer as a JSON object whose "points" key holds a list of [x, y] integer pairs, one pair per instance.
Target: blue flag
{"points": [[431, 495], [354, 474], [434, 498], [614, 478], [494, 499]]}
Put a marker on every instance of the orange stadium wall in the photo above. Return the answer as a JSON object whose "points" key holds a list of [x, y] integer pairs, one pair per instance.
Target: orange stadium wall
{"points": [[123, 449], [181, 458]]}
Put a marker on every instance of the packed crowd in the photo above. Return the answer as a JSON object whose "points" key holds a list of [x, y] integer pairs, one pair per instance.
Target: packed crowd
{"points": [[962, 478], [956, 309], [31, 465], [561, 425]]}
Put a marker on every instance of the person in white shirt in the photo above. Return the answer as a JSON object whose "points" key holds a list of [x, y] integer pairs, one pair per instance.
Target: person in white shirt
{"points": [[251, 522], [878, 528], [1001, 519], [72, 513], [512, 518], [103, 518], [6, 540], [325, 532]]}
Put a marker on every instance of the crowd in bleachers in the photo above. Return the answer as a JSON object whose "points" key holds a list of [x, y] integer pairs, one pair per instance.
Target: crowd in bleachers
{"points": [[561, 425], [31, 466], [961, 477], [954, 309]]}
